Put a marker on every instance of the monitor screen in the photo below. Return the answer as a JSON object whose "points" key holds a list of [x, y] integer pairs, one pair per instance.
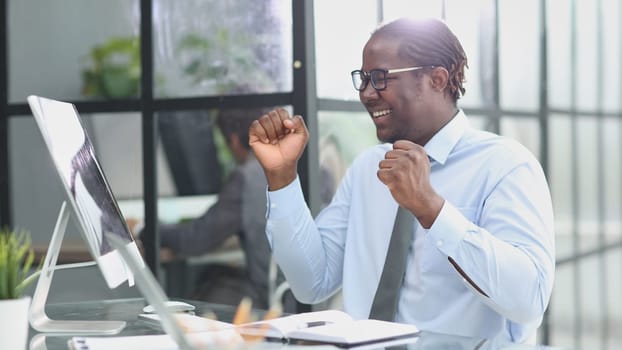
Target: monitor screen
{"points": [[88, 193]]}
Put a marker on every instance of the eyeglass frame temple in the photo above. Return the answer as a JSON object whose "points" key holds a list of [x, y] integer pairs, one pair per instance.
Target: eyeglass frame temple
{"points": [[399, 70], [387, 71]]}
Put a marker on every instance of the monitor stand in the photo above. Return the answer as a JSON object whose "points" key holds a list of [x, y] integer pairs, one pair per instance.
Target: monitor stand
{"points": [[39, 320]]}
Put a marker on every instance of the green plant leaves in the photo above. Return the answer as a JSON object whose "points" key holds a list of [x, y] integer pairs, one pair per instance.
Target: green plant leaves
{"points": [[113, 69], [16, 259]]}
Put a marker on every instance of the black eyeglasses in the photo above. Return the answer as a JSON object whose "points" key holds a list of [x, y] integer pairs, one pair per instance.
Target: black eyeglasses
{"points": [[378, 77]]}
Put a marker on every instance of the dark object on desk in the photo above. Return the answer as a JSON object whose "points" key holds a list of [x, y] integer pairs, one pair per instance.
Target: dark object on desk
{"points": [[227, 284], [223, 284]]}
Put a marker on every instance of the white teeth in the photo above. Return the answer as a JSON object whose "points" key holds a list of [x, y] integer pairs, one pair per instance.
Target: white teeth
{"points": [[378, 114]]}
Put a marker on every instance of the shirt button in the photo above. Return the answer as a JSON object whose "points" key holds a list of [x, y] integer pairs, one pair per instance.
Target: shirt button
{"points": [[439, 243], [272, 205]]}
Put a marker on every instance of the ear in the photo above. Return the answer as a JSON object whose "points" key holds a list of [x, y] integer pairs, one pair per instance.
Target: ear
{"points": [[439, 78]]}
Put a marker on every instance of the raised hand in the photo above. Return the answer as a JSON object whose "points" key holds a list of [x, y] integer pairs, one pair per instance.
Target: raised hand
{"points": [[406, 171], [278, 140]]}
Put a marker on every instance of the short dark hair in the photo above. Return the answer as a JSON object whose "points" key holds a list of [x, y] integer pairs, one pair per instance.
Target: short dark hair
{"points": [[429, 42], [236, 121]]}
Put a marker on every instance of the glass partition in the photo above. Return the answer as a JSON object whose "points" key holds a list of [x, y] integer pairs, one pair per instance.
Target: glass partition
{"points": [[478, 122], [73, 49], [561, 165], [524, 130], [414, 8], [587, 179], [37, 190], [212, 218], [587, 55], [611, 55], [214, 47], [342, 136], [610, 177], [340, 34], [471, 24], [559, 52], [519, 54]]}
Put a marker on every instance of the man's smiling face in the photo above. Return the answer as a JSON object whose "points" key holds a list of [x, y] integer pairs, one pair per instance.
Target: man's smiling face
{"points": [[402, 111]]}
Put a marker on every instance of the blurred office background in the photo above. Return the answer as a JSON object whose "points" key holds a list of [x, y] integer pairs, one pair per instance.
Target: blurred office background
{"points": [[148, 76]]}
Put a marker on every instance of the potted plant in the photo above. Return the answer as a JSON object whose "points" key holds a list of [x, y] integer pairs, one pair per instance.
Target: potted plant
{"points": [[16, 258], [113, 69]]}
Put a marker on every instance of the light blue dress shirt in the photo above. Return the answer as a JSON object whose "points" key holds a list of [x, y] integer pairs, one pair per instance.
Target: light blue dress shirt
{"points": [[496, 224]]}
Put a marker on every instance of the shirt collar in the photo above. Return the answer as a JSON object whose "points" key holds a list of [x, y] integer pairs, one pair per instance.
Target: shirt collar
{"points": [[441, 144]]}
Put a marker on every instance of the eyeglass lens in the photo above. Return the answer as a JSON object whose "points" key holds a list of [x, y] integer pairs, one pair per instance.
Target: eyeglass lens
{"points": [[377, 77]]}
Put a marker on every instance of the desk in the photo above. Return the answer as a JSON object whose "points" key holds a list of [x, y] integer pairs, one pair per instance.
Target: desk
{"points": [[128, 309], [119, 309]]}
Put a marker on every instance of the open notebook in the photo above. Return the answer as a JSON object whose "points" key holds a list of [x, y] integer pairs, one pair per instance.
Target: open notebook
{"points": [[330, 327], [212, 333]]}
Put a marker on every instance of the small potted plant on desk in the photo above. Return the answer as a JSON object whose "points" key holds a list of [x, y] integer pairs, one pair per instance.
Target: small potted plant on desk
{"points": [[16, 258]]}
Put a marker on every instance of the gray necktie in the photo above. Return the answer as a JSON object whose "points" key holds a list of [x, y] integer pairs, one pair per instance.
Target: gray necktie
{"points": [[387, 295]]}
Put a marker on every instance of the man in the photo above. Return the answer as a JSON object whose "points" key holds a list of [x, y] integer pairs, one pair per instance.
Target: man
{"points": [[481, 258]]}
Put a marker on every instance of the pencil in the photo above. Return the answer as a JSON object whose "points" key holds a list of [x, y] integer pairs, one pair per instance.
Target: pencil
{"points": [[243, 312]]}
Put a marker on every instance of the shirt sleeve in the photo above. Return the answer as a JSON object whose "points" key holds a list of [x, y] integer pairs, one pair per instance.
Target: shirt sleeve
{"points": [[296, 244], [509, 252]]}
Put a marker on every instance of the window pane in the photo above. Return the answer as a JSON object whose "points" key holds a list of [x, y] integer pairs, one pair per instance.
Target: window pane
{"points": [[187, 165], [558, 52], [590, 273], [188, 143], [468, 24], [519, 50], [412, 8], [341, 30], [215, 210], [342, 136], [121, 160], [524, 130], [561, 173], [611, 55], [587, 55], [51, 43], [478, 122], [588, 175], [611, 173], [563, 308], [215, 47], [36, 188]]}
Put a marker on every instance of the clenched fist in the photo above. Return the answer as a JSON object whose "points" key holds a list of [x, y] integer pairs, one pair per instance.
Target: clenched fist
{"points": [[278, 140], [406, 171]]}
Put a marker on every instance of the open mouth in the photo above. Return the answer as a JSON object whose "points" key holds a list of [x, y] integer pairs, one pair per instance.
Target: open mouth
{"points": [[382, 113]]}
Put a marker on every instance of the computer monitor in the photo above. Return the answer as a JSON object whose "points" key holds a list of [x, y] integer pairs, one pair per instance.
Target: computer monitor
{"points": [[90, 200]]}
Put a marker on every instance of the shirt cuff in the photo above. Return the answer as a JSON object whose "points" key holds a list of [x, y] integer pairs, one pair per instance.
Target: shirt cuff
{"points": [[449, 229], [284, 202]]}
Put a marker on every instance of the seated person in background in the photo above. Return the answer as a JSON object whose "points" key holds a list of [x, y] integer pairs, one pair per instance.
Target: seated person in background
{"points": [[240, 210]]}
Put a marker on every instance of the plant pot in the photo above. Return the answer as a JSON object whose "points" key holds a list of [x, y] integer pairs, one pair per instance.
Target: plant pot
{"points": [[14, 323]]}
